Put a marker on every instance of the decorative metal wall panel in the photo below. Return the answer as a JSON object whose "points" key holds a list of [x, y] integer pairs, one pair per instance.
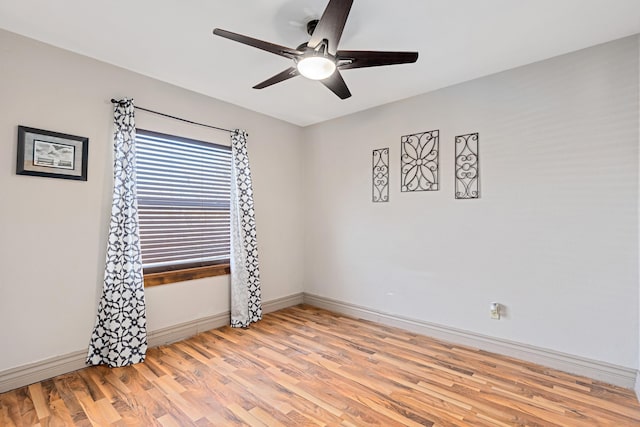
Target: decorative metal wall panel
{"points": [[381, 175], [467, 167], [419, 161]]}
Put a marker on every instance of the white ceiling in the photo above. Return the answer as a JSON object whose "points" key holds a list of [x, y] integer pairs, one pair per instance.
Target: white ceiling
{"points": [[457, 40]]}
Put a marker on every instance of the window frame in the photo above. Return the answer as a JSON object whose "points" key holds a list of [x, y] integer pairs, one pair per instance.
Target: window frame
{"points": [[162, 275], [186, 274]]}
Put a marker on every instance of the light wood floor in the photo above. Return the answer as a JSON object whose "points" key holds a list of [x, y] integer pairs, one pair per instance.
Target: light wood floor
{"points": [[304, 366]]}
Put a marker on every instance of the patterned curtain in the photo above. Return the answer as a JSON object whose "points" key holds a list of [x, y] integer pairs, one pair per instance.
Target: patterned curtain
{"points": [[120, 336], [246, 306]]}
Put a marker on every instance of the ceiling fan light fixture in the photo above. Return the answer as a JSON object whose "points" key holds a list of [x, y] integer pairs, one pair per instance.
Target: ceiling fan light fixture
{"points": [[316, 67]]}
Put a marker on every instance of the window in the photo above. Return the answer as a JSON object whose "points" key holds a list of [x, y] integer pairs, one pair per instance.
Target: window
{"points": [[183, 207]]}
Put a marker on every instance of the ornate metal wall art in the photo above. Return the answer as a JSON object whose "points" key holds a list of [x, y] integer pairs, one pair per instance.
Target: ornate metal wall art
{"points": [[419, 161], [381, 175], [467, 177]]}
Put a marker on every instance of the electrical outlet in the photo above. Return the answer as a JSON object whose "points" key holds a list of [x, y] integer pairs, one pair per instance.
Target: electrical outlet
{"points": [[495, 310]]}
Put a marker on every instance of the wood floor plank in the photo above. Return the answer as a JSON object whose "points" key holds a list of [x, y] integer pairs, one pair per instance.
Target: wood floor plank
{"points": [[304, 366], [58, 412], [168, 421], [26, 409], [39, 401], [9, 412], [78, 415]]}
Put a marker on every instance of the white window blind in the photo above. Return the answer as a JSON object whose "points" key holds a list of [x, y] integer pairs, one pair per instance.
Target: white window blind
{"points": [[183, 201]]}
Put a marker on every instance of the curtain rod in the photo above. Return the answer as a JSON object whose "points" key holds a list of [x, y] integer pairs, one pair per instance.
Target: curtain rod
{"points": [[115, 101]]}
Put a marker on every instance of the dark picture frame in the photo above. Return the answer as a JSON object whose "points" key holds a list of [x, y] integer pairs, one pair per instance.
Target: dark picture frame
{"points": [[51, 154]]}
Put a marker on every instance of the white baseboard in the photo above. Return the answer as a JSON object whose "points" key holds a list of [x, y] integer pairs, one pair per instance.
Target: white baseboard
{"points": [[41, 370], [185, 330], [284, 302], [188, 329], [28, 374], [602, 371], [637, 385]]}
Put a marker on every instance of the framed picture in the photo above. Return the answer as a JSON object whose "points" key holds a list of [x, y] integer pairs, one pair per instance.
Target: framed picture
{"points": [[51, 154]]}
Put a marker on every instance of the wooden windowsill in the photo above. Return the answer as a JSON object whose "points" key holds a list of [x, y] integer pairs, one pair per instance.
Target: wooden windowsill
{"points": [[166, 277]]}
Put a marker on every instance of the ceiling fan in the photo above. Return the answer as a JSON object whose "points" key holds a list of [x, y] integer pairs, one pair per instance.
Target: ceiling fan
{"points": [[319, 58]]}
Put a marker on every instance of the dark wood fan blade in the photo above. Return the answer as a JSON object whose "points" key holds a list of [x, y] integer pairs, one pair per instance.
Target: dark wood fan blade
{"points": [[337, 85], [260, 44], [366, 58], [280, 77], [331, 25]]}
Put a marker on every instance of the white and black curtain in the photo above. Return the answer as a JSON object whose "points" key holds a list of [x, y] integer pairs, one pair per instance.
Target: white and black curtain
{"points": [[246, 305], [120, 335]]}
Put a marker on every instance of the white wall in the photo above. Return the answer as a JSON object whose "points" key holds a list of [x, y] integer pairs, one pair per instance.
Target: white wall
{"points": [[52, 231], [637, 385], [554, 236]]}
